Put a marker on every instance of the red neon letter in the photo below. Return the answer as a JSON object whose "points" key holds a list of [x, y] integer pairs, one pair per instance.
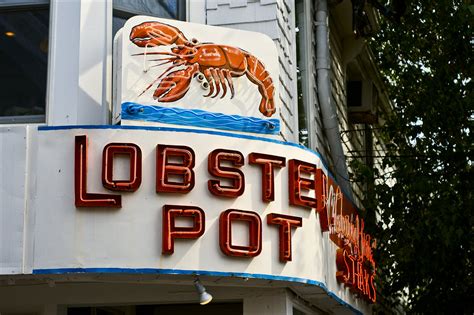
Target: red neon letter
{"points": [[343, 269], [352, 284], [297, 184], [225, 233], [135, 156], [286, 222], [321, 196], [233, 173], [171, 231], [373, 298], [183, 169], [83, 198], [366, 285], [268, 162]]}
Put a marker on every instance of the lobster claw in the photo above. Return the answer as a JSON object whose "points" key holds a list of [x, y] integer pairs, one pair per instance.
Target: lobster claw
{"points": [[156, 34], [173, 86]]}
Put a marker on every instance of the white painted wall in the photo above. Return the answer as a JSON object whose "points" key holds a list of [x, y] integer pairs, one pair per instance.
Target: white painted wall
{"points": [[79, 76], [18, 165], [196, 11], [269, 303], [13, 192], [78, 92]]}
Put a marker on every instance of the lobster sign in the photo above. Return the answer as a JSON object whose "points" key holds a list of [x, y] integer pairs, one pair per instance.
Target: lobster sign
{"points": [[173, 65], [218, 63]]}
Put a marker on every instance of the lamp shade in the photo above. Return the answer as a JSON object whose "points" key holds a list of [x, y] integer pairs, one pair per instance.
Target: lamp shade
{"points": [[204, 297]]}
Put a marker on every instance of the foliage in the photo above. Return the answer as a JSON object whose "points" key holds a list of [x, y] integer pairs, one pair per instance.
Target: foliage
{"points": [[425, 228]]}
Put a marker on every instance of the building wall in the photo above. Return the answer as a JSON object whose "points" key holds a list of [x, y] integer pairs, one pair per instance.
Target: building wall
{"points": [[80, 54]]}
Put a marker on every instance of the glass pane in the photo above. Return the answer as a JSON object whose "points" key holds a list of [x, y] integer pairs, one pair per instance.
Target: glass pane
{"points": [[166, 9], [124, 9], [23, 64]]}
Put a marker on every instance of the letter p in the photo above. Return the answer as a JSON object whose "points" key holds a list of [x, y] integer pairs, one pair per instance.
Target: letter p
{"points": [[171, 231]]}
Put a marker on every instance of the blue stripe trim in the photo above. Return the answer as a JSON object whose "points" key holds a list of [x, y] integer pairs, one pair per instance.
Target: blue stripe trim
{"points": [[156, 271], [199, 131], [199, 118]]}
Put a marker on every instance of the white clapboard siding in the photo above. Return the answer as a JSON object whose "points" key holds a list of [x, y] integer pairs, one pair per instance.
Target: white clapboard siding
{"points": [[352, 135]]}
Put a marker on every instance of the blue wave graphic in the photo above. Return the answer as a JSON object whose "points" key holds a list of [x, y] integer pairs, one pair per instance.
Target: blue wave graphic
{"points": [[199, 118]]}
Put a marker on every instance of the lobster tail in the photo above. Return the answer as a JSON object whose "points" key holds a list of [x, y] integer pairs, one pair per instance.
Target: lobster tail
{"points": [[258, 75]]}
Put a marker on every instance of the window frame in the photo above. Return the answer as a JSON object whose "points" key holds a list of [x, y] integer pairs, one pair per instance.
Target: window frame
{"points": [[119, 12], [19, 6]]}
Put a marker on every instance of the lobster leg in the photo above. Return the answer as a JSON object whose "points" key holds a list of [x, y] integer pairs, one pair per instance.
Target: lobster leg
{"points": [[216, 81], [229, 81], [210, 79], [222, 80]]}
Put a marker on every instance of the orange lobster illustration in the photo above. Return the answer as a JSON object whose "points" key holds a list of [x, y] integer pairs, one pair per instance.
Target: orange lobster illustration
{"points": [[216, 64]]}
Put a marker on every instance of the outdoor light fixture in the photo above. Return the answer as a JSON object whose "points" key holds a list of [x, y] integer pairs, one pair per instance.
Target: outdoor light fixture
{"points": [[9, 34], [204, 297]]}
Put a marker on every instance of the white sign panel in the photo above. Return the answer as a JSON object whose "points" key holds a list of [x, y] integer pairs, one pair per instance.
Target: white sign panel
{"points": [[173, 72], [179, 202]]}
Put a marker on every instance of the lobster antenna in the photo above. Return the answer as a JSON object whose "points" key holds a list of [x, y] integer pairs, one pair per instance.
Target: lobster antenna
{"points": [[145, 69], [170, 59], [148, 87], [161, 75], [158, 53], [179, 63], [144, 59], [161, 64]]}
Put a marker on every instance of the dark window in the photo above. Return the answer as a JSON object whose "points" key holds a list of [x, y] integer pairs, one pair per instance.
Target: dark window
{"points": [[354, 93], [298, 312], [235, 308], [168, 9], [24, 31]]}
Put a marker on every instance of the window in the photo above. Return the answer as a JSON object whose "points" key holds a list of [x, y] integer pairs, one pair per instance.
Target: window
{"points": [[214, 308], [24, 30], [168, 9]]}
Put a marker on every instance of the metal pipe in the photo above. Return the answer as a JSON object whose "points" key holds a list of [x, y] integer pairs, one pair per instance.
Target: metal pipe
{"points": [[328, 110]]}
